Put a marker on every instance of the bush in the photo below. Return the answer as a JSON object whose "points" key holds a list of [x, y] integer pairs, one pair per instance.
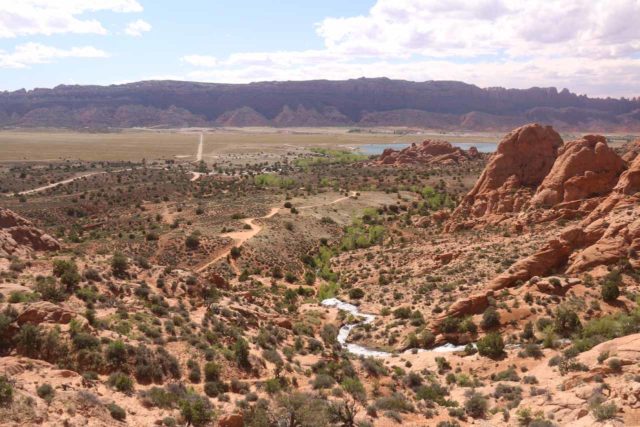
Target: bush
{"points": [[395, 402], [567, 322], [193, 241], [6, 391], [211, 371], [402, 313], [121, 382], [29, 340], [214, 388], [610, 290], [605, 411], [83, 340], [476, 405], [323, 381], [119, 265], [491, 345], [116, 353], [46, 392], [117, 413], [490, 318], [356, 293]]}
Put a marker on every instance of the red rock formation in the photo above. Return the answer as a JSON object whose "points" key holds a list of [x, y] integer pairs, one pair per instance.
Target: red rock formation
{"points": [[585, 168], [610, 233], [19, 236], [428, 152], [522, 160]]}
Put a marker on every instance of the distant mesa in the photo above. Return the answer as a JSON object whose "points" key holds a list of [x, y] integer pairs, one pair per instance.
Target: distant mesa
{"points": [[445, 105]]}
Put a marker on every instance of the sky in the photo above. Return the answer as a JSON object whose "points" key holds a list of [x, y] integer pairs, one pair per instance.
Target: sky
{"points": [[588, 46]]}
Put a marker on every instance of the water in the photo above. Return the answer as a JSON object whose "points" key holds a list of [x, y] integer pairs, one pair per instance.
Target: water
{"points": [[377, 149], [359, 350]]}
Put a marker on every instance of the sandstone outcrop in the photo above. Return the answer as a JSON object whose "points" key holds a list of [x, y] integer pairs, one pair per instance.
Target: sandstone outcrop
{"points": [[611, 232], [585, 168], [19, 236], [520, 164], [428, 152]]}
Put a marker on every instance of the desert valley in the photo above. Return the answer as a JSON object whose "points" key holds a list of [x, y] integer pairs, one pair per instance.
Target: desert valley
{"points": [[282, 277]]}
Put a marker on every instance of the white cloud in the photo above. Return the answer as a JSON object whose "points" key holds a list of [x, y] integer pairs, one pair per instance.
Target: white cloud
{"points": [[200, 60], [47, 17], [589, 46], [136, 28], [28, 54]]}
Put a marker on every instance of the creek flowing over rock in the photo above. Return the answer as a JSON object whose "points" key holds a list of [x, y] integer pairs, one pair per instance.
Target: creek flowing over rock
{"points": [[359, 350]]}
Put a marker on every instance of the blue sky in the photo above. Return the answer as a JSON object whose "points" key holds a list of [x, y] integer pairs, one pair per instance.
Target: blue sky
{"points": [[588, 46]]}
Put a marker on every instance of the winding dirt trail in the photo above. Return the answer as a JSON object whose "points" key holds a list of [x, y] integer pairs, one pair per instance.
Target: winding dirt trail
{"points": [[241, 236]]}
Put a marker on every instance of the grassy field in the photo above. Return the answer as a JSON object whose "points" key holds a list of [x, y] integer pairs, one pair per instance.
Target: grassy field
{"points": [[134, 145]]}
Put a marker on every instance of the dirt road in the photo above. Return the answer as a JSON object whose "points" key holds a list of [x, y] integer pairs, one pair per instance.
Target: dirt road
{"points": [[241, 236]]}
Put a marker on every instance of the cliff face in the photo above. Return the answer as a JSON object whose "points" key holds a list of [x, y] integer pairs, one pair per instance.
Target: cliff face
{"points": [[366, 102]]}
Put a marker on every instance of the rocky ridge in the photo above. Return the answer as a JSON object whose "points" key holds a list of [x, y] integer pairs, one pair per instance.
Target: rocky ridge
{"points": [[18, 236], [429, 152]]}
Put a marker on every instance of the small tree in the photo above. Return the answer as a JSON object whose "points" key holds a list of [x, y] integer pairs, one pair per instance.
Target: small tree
{"points": [[119, 265], [241, 351], [196, 410]]}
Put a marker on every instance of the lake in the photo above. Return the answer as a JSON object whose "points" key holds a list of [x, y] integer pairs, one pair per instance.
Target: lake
{"points": [[376, 149]]}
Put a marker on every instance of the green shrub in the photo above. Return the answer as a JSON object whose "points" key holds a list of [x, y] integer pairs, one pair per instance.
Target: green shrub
{"points": [[121, 382], [119, 265], [241, 353], [356, 293], [605, 411], [610, 290], [29, 340], [46, 392], [6, 391], [212, 371], [116, 353], [490, 318], [196, 410], [491, 345], [476, 405], [566, 322], [117, 413]]}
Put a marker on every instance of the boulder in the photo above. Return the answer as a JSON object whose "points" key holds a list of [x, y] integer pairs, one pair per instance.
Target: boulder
{"points": [[44, 312], [231, 420]]}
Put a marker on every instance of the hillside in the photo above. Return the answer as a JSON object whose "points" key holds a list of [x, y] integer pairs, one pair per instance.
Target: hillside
{"points": [[362, 102]]}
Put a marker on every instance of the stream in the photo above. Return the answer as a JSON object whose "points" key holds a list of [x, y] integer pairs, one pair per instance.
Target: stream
{"points": [[360, 350]]}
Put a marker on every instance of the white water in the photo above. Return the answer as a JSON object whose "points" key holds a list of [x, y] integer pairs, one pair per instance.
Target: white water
{"points": [[359, 350]]}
